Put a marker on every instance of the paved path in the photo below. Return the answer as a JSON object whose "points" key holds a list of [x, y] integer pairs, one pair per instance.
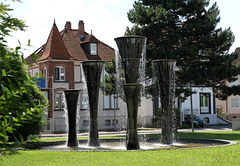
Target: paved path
{"points": [[150, 131]]}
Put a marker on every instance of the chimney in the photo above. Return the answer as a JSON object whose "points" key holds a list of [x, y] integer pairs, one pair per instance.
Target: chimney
{"points": [[68, 25], [81, 28]]}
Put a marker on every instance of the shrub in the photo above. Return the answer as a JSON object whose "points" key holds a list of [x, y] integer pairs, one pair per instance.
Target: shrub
{"points": [[21, 102]]}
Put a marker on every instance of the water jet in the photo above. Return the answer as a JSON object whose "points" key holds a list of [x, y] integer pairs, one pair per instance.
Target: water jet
{"points": [[164, 71]]}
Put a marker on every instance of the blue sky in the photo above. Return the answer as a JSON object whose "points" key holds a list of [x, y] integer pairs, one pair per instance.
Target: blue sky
{"points": [[106, 18]]}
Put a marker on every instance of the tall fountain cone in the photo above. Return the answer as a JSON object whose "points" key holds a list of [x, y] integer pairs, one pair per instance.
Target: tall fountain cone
{"points": [[164, 71], [132, 93], [92, 70], [71, 101], [130, 49]]}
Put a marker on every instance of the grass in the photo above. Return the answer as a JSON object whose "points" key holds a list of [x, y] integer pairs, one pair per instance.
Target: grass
{"points": [[227, 155]]}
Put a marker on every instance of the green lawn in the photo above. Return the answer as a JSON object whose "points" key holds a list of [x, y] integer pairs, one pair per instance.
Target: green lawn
{"points": [[228, 155]]}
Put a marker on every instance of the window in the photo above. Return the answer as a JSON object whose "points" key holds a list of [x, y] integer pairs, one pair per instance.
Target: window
{"points": [[206, 119], [107, 122], [44, 72], [60, 73], [113, 122], [85, 123], [30, 73], [93, 49], [205, 103], [234, 103], [109, 102], [84, 102], [59, 104], [234, 83]]}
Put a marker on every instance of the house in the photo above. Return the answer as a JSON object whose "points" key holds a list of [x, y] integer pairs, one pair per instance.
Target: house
{"points": [[230, 108], [204, 105], [59, 62]]}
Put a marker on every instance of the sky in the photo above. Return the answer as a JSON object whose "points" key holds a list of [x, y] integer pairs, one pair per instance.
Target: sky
{"points": [[107, 19]]}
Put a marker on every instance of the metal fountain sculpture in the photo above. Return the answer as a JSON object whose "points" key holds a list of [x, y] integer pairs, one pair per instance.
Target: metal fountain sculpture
{"points": [[164, 71], [130, 49], [92, 70], [71, 101]]}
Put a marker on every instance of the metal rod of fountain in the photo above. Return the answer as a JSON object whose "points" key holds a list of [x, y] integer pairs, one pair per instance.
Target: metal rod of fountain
{"points": [[71, 101], [92, 70], [130, 49], [164, 71]]}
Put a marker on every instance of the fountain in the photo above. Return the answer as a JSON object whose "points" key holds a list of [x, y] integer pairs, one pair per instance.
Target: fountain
{"points": [[164, 71], [130, 49], [71, 101], [92, 70]]}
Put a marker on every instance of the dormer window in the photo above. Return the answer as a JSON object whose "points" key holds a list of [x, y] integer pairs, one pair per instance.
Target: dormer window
{"points": [[60, 73], [93, 49]]}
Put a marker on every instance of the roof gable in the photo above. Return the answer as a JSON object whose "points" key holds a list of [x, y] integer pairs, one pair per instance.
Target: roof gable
{"points": [[69, 44], [55, 48]]}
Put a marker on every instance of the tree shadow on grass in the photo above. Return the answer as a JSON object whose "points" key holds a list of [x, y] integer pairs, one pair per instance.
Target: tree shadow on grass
{"points": [[211, 135], [229, 135]]}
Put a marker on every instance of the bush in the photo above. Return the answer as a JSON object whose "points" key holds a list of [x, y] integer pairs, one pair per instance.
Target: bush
{"points": [[21, 102]]}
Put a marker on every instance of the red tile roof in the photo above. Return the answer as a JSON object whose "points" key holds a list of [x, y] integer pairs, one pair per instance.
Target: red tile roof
{"points": [[55, 48], [68, 44]]}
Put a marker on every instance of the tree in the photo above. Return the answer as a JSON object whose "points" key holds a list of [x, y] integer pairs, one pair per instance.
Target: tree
{"points": [[109, 84], [21, 102], [186, 30]]}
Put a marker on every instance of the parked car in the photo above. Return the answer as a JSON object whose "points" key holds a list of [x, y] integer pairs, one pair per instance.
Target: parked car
{"points": [[196, 120]]}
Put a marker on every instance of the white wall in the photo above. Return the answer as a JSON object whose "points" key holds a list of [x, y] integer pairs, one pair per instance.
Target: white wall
{"points": [[186, 105]]}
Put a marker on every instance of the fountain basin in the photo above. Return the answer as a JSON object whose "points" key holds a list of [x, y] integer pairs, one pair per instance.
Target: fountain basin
{"points": [[119, 145]]}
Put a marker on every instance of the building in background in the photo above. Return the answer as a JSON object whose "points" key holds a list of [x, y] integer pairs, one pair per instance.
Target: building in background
{"points": [[58, 62], [230, 108]]}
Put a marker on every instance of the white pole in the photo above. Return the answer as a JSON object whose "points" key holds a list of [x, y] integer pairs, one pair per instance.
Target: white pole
{"points": [[53, 129]]}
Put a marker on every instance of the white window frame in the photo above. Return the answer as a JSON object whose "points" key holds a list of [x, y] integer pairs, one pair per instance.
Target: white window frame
{"points": [[205, 103], [108, 102], [59, 104], [84, 101], [60, 76], [93, 49]]}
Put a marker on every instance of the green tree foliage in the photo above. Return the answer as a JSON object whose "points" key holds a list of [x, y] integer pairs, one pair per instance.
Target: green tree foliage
{"points": [[186, 30], [112, 85], [108, 86], [21, 102]]}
